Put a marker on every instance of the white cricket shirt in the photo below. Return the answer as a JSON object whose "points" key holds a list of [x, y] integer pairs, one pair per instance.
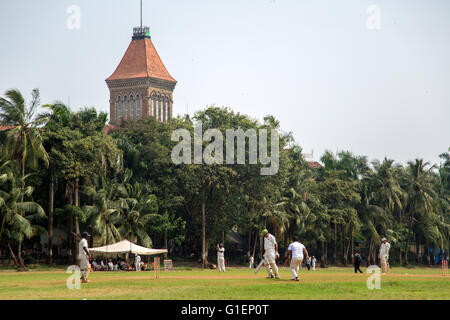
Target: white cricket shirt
{"points": [[269, 242], [81, 253], [384, 249], [297, 250], [220, 253]]}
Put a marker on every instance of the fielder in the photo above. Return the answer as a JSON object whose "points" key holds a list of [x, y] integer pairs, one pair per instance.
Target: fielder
{"points": [[83, 257], [221, 257], [384, 255], [270, 254], [295, 254], [252, 262], [313, 263]]}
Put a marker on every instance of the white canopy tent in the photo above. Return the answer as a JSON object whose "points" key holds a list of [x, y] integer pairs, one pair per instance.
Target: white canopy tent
{"points": [[126, 246]]}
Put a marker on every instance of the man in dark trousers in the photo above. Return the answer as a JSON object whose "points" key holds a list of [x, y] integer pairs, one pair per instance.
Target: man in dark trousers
{"points": [[357, 261]]}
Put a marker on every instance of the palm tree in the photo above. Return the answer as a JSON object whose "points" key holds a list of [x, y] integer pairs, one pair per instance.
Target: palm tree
{"points": [[388, 192], [5, 175], [371, 216], [383, 196], [23, 140], [136, 211], [58, 116], [420, 194], [17, 215], [104, 212]]}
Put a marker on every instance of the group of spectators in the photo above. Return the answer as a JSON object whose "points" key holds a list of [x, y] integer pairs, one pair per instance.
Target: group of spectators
{"points": [[117, 265]]}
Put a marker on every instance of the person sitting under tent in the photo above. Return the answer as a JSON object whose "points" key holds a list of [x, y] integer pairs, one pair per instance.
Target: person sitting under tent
{"points": [[95, 266], [110, 265], [122, 265]]}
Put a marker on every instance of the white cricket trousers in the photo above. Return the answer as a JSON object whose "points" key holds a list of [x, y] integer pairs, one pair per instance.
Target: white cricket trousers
{"points": [[270, 261], [221, 264], [84, 267], [295, 264], [138, 266], [384, 260]]}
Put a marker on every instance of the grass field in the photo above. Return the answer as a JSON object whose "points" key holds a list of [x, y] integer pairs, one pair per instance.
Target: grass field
{"points": [[236, 283]]}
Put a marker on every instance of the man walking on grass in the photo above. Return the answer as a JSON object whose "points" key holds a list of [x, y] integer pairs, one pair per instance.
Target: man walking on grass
{"points": [[313, 263], [295, 254], [270, 254], [357, 261], [84, 256]]}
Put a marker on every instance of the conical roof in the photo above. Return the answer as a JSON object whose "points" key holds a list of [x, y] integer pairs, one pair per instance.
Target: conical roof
{"points": [[141, 60]]}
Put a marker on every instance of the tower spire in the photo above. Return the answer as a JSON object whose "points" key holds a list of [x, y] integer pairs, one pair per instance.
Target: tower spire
{"points": [[141, 13]]}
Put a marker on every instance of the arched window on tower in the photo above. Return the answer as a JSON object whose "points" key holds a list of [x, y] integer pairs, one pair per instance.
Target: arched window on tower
{"points": [[125, 107], [138, 106], [152, 106], [131, 113], [167, 110], [118, 108], [160, 109], [164, 111]]}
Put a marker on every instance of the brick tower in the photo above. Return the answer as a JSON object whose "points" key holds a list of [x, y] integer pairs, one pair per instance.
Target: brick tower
{"points": [[141, 86]]}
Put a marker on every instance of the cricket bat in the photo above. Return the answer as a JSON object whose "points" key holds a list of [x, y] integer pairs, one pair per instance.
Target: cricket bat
{"points": [[259, 265]]}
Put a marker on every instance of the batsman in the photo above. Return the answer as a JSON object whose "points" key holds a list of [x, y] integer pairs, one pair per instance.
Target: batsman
{"points": [[270, 254]]}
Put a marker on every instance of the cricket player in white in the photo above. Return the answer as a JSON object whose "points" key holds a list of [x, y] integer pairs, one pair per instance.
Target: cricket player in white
{"points": [[313, 263], [137, 262], [295, 253], [384, 254], [221, 257], [270, 254], [252, 261], [83, 257]]}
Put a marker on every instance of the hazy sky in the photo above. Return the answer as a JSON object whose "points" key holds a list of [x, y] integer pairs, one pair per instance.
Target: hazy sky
{"points": [[314, 65]]}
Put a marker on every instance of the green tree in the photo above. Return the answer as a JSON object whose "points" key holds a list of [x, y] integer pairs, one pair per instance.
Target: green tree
{"points": [[18, 217], [58, 116], [102, 216], [23, 140], [420, 194]]}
